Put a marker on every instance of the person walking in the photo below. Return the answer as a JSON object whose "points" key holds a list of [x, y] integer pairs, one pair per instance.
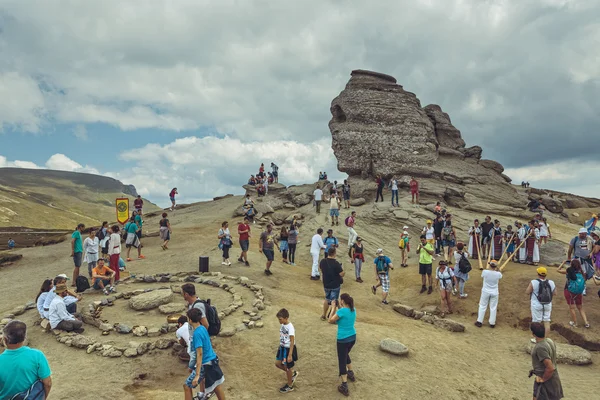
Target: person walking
{"points": [[445, 278], [103, 236], [292, 242], [394, 186], [438, 227], [404, 246], [541, 292], [344, 315], [425, 251], [383, 264], [350, 222], [138, 204], [283, 244], [114, 250], [358, 258], [318, 198], [380, 186], [334, 209], [547, 385], [573, 292], [133, 239], [172, 198], [24, 372], [225, 242], [462, 267], [287, 354], [580, 248], [77, 251], [139, 222], [244, 238], [165, 231], [330, 241], [489, 294], [333, 275], [90, 249], [346, 193], [315, 250], [266, 246]]}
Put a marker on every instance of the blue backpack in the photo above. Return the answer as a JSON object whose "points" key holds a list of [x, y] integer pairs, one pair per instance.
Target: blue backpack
{"points": [[382, 266], [576, 286]]}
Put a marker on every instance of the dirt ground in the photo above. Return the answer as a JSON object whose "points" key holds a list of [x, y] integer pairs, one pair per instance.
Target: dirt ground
{"points": [[478, 364]]}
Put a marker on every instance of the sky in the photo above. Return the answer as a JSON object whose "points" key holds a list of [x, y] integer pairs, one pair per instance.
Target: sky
{"points": [[195, 94]]}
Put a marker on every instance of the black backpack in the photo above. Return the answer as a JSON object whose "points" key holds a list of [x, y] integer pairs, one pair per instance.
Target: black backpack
{"points": [[100, 235], [212, 316], [464, 266], [544, 294], [82, 284]]}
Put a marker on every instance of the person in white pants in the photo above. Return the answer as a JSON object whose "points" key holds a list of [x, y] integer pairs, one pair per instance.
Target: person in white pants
{"points": [[489, 294], [315, 251], [541, 312], [352, 235]]}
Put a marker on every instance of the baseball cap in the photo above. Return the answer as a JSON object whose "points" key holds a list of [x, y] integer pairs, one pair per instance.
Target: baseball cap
{"points": [[542, 271], [583, 230], [405, 227], [379, 252], [64, 276], [428, 221]]}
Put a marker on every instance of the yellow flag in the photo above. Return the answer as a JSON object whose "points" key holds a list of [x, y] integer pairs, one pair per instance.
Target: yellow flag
{"points": [[122, 210]]}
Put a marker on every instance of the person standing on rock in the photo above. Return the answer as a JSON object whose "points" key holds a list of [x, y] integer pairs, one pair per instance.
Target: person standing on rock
{"points": [[394, 187], [547, 383], [380, 186], [225, 242], [318, 198], [541, 292], [90, 247], [293, 242], [462, 267], [333, 275], [358, 258], [383, 264], [486, 228], [414, 190], [544, 231], [172, 198], [330, 241], [244, 235], [489, 294], [346, 193], [352, 235], [114, 251], [138, 204], [474, 239], [22, 369], [446, 280], [404, 246], [164, 231], [315, 250], [425, 251], [77, 251], [334, 209], [275, 170], [438, 227], [266, 246], [344, 316]]}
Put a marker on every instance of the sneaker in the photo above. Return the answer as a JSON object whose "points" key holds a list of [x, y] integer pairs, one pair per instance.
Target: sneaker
{"points": [[129, 259], [464, 296], [105, 292], [384, 302], [454, 292], [423, 289], [314, 278], [247, 264], [573, 324], [492, 326], [223, 263], [359, 280], [374, 289], [141, 257], [286, 389], [294, 376], [240, 260], [343, 389], [351, 376], [430, 290], [478, 324], [111, 289]]}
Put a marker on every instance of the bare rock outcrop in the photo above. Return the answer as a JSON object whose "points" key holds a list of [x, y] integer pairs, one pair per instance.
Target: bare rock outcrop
{"points": [[447, 135]]}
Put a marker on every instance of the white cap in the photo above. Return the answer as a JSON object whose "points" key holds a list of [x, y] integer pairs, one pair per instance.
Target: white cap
{"points": [[405, 227], [379, 251], [64, 276], [583, 230]]}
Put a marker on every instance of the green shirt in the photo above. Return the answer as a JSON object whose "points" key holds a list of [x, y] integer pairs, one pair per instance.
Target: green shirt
{"points": [[131, 227], [19, 369], [425, 257], [138, 220], [78, 247]]}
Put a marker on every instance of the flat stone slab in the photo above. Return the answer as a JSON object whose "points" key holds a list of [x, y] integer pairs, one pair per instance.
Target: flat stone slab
{"points": [[404, 310], [150, 300], [393, 347], [567, 354], [172, 308]]}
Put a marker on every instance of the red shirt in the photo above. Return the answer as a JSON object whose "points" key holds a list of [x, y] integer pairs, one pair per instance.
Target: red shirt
{"points": [[138, 203], [414, 185], [172, 194], [244, 227]]}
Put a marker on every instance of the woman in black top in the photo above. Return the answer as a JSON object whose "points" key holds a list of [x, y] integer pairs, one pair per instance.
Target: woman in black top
{"points": [[283, 243], [165, 231], [356, 254]]}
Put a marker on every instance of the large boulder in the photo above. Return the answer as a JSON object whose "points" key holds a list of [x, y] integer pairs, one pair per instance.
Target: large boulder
{"points": [[496, 166], [553, 253], [567, 354], [150, 300], [393, 347], [405, 310], [447, 135], [553, 205]]}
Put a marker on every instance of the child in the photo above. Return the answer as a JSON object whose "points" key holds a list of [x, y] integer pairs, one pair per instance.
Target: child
{"points": [[287, 341], [509, 241], [438, 208], [404, 246]]}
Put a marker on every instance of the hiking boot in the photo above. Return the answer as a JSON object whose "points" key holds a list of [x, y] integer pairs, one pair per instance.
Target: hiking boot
{"points": [[430, 290], [423, 289], [247, 264], [374, 289], [492, 326], [268, 273], [351, 376], [478, 324], [240, 260], [294, 376], [384, 302], [359, 280], [286, 389], [343, 389]]}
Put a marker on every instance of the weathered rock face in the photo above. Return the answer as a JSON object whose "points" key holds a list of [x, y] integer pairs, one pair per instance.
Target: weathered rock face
{"points": [[447, 135]]}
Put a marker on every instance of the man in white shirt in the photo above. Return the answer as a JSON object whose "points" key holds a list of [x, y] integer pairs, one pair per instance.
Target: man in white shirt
{"points": [[541, 297], [315, 250], [318, 196], [70, 301], [58, 315], [183, 336], [489, 294]]}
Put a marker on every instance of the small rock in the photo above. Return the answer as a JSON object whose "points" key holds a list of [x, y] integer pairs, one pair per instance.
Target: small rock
{"points": [[163, 343], [140, 331], [449, 325], [93, 347], [143, 348], [18, 310], [259, 324], [172, 308], [8, 317], [130, 353], [149, 279], [255, 318], [124, 329], [393, 347], [252, 314], [241, 327], [249, 312], [172, 328], [357, 202], [105, 327], [81, 342], [251, 324], [112, 353], [227, 332], [30, 305], [404, 310], [418, 314], [45, 324], [243, 279], [150, 300], [431, 310], [153, 332]]}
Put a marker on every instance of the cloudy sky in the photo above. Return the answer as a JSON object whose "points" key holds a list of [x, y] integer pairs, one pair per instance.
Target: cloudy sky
{"points": [[195, 94]]}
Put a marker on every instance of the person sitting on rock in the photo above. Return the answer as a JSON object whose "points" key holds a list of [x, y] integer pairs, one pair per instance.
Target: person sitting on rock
{"points": [[11, 243], [271, 178], [183, 336], [70, 300], [260, 189], [103, 278], [58, 315], [252, 180], [324, 176], [535, 205], [321, 176]]}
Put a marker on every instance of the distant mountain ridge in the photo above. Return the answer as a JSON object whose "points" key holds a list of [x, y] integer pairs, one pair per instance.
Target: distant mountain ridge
{"points": [[43, 198]]}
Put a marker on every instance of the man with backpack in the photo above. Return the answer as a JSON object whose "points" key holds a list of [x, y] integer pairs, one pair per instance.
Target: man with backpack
{"points": [[210, 319], [383, 264], [541, 291], [330, 241], [580, 248]]}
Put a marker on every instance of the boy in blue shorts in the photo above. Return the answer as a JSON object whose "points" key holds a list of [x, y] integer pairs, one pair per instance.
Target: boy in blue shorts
{"points": [[286, 358]]}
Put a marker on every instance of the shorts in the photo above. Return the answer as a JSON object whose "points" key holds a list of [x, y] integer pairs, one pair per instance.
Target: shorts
{"points": [[432, 241], [332, 294], [424, 269], [571, 298], [414, 191], [384, 279], [270, 254], [275, 174], [282, 355], [105, 282], [173, 200], [334, 212], [244, 245], [77, 259], [346, 196], [139, 234], [449, 243], [541, 314], [188, 381]]}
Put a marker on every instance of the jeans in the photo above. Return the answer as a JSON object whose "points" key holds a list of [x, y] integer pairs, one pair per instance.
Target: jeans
{"points": [[318, 203], [461, 286], [438, 246], [357, 267], [394, 193], [292, 248], [343, 353], [226, 252], [379, 193]]}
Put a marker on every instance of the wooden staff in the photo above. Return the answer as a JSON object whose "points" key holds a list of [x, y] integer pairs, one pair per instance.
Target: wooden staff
{"points": [[506, 247], [517, 249], [476, 238], [490, 251]]}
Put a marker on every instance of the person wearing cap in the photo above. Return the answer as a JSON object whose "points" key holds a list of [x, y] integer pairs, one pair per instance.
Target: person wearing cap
{"points": [[315, 251], [540, 308], [334, 209], [489, 294], [383, 264], [70, 301], [332, 273], [429, 232], [404, 246], [425, 251], [580, 248], [358, 258], [266, 246], [446, 279], [330, 241], [77, 251], [58, 315]]}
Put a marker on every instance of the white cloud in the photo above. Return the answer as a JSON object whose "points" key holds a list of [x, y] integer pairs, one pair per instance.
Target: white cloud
{"points": [[63, 163], [4, 163], [80, 132], [23, 105]]}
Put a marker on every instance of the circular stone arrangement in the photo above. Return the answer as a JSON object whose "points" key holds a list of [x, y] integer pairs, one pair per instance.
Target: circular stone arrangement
{"points": [[154, 298]]}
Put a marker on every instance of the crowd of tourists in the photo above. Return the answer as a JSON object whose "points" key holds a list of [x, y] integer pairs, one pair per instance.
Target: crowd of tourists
{"points": [[262, 179]]}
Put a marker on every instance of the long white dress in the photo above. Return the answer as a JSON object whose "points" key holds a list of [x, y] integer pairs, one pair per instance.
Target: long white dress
{"points": [[521, 234], [536, 246], [472, 244]]}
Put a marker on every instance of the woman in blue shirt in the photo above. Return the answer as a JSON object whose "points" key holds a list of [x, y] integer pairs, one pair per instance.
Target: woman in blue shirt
{"points": [[344, 317]]}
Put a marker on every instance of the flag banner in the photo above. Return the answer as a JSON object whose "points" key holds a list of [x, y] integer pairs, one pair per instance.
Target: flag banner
{"points": [[590, 224], [122, 210]]}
